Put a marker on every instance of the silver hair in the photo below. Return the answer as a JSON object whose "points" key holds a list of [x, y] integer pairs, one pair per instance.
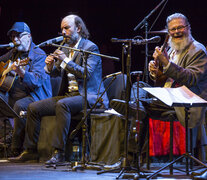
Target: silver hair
{"points": [[176, 16]]}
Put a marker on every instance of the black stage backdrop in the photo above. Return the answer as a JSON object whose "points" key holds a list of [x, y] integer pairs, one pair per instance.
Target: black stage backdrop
{"points": [[105, 19]]}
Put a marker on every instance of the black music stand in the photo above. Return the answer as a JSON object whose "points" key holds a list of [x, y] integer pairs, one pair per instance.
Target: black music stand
{"points": [[193, 101], [6, 112]]}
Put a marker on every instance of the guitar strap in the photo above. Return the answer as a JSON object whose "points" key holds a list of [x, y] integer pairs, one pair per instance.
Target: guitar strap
{"points": [[19, 55], [15, 56]]}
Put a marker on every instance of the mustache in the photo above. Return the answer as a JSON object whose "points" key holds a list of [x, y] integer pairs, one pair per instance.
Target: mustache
{"points": [[16, 44], [64, 35], [179, 34]]}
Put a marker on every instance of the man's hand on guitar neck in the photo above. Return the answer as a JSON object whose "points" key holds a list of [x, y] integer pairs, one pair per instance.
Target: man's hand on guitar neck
{"points": [[160, 56]]}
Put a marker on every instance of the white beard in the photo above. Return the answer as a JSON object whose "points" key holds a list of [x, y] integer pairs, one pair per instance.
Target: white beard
{"points": [[181, 45], [24, 45]]}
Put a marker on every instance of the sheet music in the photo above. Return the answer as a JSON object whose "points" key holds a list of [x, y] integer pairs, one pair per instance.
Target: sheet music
{"points": [[112, 111], [180, 96]]}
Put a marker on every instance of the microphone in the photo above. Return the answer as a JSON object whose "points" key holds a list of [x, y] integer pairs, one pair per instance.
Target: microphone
{"points": [[10, 45], [50, 41], [136, 72], [114, 74], [120, 40], [154, 39]]}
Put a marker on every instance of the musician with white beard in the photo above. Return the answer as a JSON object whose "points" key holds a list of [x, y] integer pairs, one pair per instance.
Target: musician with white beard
{"points": [[29, 82], [183, 63]]}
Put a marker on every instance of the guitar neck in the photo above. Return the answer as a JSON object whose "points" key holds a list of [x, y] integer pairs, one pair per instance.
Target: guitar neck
{"points": [[162, 78], [165, 43], [162, 49]]}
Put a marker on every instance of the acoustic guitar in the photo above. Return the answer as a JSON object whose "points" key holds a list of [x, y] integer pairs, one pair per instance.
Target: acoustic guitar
{"points": [[160, 77], [6, 81]]}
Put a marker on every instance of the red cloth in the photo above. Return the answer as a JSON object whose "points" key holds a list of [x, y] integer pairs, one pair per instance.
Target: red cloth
{"points": [[159, 138]]}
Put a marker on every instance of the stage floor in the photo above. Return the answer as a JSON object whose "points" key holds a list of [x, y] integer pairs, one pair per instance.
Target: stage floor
{"points": [[33, 171]]}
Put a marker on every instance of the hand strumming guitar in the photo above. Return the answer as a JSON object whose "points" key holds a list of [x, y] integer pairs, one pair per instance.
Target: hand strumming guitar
{"points": [[18, 70], [16, 66]]}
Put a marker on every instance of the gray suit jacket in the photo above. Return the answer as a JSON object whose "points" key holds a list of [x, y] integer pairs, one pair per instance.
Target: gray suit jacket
{"points": [[191, 71]]}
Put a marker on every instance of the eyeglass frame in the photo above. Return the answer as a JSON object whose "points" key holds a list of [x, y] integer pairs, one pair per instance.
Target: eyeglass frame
{"points": [[19, 35], [179, 28]]}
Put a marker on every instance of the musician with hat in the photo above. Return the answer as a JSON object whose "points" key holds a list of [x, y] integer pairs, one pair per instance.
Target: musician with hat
{"points": [[25, 66]]}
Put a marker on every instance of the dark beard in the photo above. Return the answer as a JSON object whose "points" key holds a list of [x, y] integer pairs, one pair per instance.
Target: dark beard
{"points": [[73, 40]]}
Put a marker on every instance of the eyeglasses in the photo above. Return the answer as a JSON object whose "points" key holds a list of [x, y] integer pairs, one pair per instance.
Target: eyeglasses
{"points": [[179, 28], [18, 35]]}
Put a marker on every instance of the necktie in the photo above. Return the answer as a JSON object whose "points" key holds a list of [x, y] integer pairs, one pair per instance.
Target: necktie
{"points": [[71, 54]]}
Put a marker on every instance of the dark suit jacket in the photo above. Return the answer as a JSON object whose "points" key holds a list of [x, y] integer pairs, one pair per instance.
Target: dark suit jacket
{"points": [[94, 73]]}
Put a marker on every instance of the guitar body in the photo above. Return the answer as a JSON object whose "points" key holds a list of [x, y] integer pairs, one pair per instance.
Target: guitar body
{"points": [[160, 81], [6, 81]]}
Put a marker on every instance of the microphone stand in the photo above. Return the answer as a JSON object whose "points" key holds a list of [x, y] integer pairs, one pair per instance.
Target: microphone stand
{"points": [[145, 24], [86, 52], [125, 163], [82, 123]]}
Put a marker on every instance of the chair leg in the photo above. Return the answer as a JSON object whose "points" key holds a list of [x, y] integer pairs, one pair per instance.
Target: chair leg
{"points": [[147, 153], [191, 148], [171, 143], [5, 143]]}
